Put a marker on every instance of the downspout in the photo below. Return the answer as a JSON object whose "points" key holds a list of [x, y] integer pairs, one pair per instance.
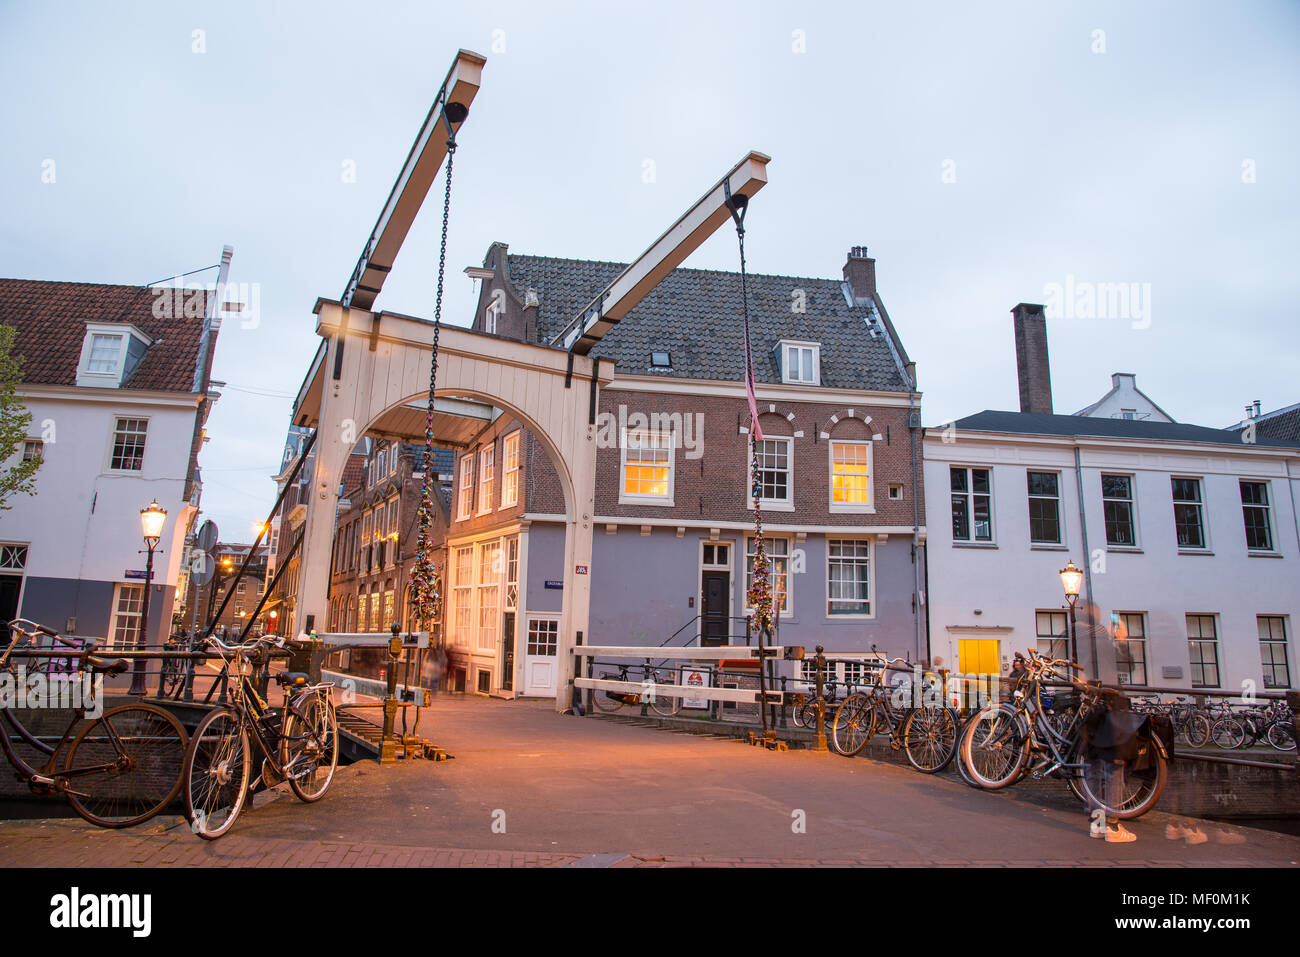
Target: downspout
{"points": [[1087, 560], [913, 423]]}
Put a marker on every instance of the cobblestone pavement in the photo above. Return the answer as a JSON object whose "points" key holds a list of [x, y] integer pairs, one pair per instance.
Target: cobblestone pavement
{"points": [[531, 788]]}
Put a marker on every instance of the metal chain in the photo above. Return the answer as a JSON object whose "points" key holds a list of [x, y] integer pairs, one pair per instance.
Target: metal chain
{"points": [[426, 595]]}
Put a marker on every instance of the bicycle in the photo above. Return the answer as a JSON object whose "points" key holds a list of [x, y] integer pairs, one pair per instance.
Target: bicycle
{"points": [[805, 715], [927, 735], [664, 704], [1000, 741], [122, 768], [172, 677], [301, 749]]}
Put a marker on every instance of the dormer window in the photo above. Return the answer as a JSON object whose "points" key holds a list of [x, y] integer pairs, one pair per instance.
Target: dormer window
{"points": [[110, 353], [491, 316], [661, 360], [800, 362]]}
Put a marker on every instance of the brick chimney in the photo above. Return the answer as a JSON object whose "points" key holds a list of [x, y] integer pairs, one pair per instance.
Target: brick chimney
{"points": [[860, 273], [1032, 365]]}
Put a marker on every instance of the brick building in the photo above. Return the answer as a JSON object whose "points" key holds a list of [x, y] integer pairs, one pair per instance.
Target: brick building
{"points": [[840, 465]]}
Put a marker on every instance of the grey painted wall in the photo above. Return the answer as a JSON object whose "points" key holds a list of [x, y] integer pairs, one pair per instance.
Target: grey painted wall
{"points": [[545, 561], [52, 601]]}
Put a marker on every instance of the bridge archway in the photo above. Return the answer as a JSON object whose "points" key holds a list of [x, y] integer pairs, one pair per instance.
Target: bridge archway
{"points": [[372, 366]]}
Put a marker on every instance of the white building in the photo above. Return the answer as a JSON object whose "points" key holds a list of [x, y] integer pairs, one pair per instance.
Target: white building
{"points": [[116, 381], [1188, 537], [1126, 401]]}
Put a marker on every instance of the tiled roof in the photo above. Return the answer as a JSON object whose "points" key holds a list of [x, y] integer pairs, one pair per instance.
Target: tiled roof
{"points": [[51, 321], [1278, 424], [1030, 423], [695, 316]]}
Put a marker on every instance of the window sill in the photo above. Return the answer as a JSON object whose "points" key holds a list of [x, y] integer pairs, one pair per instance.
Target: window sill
{"points": [[774, 506], [624, 499], [1125, 549], [959, 544], [1047, 547], [1195, 551], [842, 509], [1263, 554]]}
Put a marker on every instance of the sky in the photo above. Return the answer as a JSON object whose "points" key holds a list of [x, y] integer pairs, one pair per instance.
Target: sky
{"points": [[985, 154]]}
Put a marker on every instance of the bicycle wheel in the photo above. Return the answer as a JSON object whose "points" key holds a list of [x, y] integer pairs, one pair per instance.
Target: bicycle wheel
{"points": [[1281, 735], [995, 748], [216, 773], [603, 700], [1228, 733], [1141, 788], [310, 752], [140, 750], [854, 724], [930, 738], [961, 765], [1197, 730], [663, 701]]}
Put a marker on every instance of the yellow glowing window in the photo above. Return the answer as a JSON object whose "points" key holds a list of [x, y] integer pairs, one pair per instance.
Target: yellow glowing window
{"points": [[647, 464], [850, 474]]}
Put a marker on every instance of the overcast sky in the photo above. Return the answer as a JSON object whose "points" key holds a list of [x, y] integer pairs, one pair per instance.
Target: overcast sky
{"points": [[981, 151]]}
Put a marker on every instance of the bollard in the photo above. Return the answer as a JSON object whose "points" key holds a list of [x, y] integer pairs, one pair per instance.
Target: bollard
{"points": [[387, 746], [821, 702]]}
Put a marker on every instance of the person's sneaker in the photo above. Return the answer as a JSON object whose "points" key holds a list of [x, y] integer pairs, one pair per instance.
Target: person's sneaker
{"points": [[1196, 836], [1175, 832], [1119, 834]]}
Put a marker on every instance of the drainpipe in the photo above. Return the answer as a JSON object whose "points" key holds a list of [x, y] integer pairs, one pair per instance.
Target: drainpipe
{"points": [[913, 423], [1087, 561]]}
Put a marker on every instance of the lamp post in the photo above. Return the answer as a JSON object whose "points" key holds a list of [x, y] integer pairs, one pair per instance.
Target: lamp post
{"points": [[1071, 579], [152, 518]]}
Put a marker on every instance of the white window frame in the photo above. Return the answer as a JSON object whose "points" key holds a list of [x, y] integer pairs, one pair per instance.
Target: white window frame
{"points": [[637, 498], [491, 315], [1200, 503], [970, 494], [1132, 505], [1058, 498], [788, 611], [800, 346], [487, 478], [866, 508], [465, 494], [871, 579], [1130, 641], [112, 443], [112, 643], [461, 619], [106, 378], [1267, 509], [774, 504], [510, 470], [487, 583]]}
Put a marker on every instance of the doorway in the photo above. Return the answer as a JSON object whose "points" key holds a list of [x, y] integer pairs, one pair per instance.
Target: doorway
{"points": [[715, 593]]}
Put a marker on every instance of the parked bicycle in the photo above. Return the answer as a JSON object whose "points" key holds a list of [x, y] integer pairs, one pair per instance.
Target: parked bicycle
{"points": [[663, 702], [120, 769], [1009, 739], [300, 746], [926, 734]]}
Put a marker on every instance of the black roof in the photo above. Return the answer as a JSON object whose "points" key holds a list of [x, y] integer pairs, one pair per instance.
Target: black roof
{"points": [[695, 316], [1032, 423]]}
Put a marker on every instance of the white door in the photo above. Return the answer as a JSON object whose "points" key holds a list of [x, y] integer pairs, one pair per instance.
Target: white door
{"points": [[541, 667]]}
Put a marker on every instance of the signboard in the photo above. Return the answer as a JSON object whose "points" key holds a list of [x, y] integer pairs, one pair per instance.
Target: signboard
{"points": [[208, 535], [554, 584], [135, 573], [580, 570], [202, 567], [694, 678]]}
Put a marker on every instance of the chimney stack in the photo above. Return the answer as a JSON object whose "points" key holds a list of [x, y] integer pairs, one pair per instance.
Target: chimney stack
{"points": [[1032, 365], [860, 273]]}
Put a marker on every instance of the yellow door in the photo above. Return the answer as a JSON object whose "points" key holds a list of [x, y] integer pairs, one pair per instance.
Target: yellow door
{"points": [[979, 656]]}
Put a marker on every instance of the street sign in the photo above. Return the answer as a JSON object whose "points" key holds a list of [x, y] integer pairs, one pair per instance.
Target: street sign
{"points": [[134, 573], [202, 567], [552, 583], [208, 536]]}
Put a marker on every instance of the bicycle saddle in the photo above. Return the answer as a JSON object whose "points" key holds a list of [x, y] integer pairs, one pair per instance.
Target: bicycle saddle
{"points": [[295, 679], [107, 666]]}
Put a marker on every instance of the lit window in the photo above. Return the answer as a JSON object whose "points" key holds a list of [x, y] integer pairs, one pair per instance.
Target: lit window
{"points": [[466, 485], [648, 466], [851, 473], [848, 577], [486, 478], [128, 445], [510, 481]]}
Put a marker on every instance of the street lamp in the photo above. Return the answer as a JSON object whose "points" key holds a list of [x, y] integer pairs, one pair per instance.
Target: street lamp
{"points": [[152, 518], [1071, 580]]}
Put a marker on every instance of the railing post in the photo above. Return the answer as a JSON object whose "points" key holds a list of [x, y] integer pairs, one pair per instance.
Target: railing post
{"points": [[785, 704], [820, 659], [645, 677], [591, 692], [387, 746]]}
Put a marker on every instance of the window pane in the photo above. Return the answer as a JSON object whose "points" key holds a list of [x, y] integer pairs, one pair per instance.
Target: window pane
{"points": [[960, 519], [958, 479], [850, 481]]}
